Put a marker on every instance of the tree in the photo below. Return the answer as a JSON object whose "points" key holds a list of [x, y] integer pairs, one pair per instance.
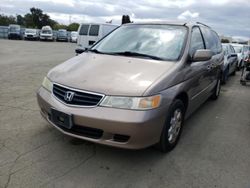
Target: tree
{"points": [[59, 26], [225, 41], [20, 20], [73, 27], [7, 20], [37, 16], [37, 19], [28, 20]]}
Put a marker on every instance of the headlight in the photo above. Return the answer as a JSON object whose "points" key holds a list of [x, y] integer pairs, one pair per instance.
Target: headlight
{"points": [[135, 103], [47, 84]]}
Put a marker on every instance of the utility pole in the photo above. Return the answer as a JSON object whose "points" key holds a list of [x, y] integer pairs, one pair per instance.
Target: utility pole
{"points": [[69, 19]]}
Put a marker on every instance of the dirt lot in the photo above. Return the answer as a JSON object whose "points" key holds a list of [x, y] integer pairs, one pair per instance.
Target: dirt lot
{"points": [[214, 150]]}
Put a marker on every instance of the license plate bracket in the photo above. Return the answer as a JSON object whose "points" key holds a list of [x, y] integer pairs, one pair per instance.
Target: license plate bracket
{"points": [[61, 119]]}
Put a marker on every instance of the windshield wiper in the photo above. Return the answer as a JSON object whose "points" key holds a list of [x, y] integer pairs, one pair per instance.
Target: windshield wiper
{"points": [[129, 53], [95, 51], [98, 52]]}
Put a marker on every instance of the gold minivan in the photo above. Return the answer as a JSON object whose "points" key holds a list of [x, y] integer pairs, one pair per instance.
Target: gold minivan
{"points": [[135, 87]]}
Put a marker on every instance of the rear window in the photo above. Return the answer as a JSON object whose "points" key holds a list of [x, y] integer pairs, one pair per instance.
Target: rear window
{"points": [[94, 30], [84, 30]]}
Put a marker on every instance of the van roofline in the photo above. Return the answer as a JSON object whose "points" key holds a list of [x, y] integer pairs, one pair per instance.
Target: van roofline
{"points": [[172, 22], [99, 23]]}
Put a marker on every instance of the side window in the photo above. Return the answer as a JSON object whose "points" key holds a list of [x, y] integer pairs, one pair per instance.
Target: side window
{"points": [[211, 40], [218, 43], [196, 41], [94, 30], [84, 30], [232, 50]]}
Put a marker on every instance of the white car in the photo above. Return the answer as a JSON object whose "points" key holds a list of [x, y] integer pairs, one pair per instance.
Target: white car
{"points": [[73, 36], [31, 34], [239, 50], [46, 33]]}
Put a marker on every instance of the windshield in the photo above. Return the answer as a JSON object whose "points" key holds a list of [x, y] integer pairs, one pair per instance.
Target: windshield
{"points": [[14, 29], [30, 31], [46, 31], [74, 34], [238, 49], [162, 41]]}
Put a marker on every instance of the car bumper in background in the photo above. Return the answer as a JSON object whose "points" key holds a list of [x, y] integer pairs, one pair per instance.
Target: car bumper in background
{"points": [[115, 127]]}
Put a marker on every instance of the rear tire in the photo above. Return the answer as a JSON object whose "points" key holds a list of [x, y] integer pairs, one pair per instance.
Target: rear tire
{"points": [[173, 127]]}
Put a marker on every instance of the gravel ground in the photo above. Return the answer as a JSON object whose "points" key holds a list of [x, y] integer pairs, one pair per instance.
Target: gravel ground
{"points": [[214, 150]]}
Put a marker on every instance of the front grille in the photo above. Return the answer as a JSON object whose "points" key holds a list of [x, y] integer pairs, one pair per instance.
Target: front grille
{"points": [[84, 131], [80, 98]]}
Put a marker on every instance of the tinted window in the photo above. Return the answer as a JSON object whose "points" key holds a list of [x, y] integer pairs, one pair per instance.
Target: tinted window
{"points": [[212, 40], [196, 41], [162, 41], [94, 30], [84, 30]]}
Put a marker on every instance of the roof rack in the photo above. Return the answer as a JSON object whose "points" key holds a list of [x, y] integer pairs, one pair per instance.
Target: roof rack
{"points": [[202, 24]]}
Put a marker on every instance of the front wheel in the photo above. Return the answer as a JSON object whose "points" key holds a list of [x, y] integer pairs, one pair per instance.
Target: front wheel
{"points": [[173, 127]]}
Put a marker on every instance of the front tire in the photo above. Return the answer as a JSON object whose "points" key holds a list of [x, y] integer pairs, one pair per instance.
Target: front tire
{"points": [[173, 127]]}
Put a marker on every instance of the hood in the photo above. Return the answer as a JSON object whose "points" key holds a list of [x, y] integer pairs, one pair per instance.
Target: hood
{"points": [[109, 75]]}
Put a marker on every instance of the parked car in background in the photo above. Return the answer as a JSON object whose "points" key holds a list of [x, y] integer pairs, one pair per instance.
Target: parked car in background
{"points": [[46, 33], [246, 51], [135, 87], [62, 35], [90, 33], [230, 62], [31, 34], [239, 50], [73, 36], [14, 32]]}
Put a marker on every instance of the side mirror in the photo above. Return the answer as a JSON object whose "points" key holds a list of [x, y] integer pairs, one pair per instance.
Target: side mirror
{"points": [[202, 55]]}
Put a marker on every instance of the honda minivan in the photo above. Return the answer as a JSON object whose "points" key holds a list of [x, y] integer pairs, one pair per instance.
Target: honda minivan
{"points": [[136, 86]]}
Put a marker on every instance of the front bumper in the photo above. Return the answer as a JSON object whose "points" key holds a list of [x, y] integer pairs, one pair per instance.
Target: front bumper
{"points": [[30, 36], [137, 129], [14, 36], [46, 38], [62, 39]]}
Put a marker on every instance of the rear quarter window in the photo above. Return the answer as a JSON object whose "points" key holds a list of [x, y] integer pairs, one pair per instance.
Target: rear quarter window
{"points": [[84, 30], [94, 30]]}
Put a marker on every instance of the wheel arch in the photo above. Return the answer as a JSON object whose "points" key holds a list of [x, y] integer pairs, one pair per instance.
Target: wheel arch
{"points": [[183, 96]]}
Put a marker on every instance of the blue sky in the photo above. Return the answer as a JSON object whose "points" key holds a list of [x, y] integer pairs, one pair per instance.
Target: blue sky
{"points": [[227, 17]]}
